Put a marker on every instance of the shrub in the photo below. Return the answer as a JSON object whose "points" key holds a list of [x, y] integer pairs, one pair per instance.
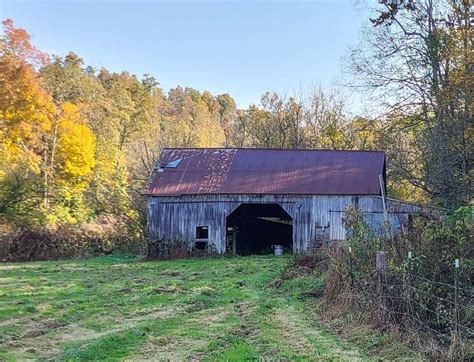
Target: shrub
{"points": [[175, 249], [66, 241], [363, 240], [166, 249], [419, 295]]}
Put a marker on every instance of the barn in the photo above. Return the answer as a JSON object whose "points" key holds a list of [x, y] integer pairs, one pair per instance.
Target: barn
{"points": [[244, 201]]}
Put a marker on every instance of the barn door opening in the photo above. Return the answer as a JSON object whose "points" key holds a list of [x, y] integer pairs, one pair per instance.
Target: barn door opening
{"points": [[257, 228]]}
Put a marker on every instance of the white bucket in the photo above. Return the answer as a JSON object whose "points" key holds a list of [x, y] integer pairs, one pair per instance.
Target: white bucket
{"points": [[278, 250]]}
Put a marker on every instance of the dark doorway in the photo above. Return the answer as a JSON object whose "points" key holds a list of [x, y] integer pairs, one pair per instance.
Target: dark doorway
{"points": [[255, 228]]}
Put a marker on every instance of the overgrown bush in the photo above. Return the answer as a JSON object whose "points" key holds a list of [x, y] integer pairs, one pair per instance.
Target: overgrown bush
{"points": [[418, 293], [363, 240], [176, 249], [66, 241], [304, 264], [165, 249], [438, 243]]}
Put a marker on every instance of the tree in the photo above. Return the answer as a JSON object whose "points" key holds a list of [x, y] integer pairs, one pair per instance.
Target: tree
{"points": [[67, 80], [326, 124], [16, 44], [418, 58], [191, 119], [363, 134], [76, 146], [227, 116], [277, 123], [317, 121], [26, 114], [47, 147], [72, 160]]}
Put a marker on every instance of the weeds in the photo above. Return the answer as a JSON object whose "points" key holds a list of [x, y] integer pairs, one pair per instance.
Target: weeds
{"points": [[418, 293]]}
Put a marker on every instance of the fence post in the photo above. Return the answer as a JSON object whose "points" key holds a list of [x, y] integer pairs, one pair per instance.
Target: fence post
{"points": [[409, 284], [456, 347], [381, 269], [351, 271], [456, 295]]}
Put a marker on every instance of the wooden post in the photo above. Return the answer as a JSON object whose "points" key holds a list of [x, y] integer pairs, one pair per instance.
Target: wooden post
{"points": [[456, 296], [382, 190], [409, 285], [381, 269], [456, 347], [386, 220], [351, 271]]}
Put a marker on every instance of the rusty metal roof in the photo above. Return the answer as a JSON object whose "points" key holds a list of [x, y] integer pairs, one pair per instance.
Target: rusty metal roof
{"points": [[268, 171]]}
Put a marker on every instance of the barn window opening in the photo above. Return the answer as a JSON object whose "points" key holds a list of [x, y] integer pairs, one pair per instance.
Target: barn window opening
{"points": [[202, 232], [258, 229], [202, 237]]}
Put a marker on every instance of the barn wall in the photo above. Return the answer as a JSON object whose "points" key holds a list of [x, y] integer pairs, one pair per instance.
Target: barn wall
{"points": [[176, 218]]}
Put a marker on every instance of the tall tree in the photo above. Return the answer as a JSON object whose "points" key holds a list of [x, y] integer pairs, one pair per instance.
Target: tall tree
{"points": [[26, 114], [227, 116], [326, 125], [418, 58]]}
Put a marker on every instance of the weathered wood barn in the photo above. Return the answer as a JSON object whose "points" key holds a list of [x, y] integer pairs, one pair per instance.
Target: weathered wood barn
{"points": [[246, 200]]}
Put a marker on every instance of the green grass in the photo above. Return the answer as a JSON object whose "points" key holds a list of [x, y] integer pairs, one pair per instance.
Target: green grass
{"points": [[119, 308]]}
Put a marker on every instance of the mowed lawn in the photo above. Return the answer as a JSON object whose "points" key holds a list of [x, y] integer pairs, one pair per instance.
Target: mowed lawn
{"points": [[118, 307]]}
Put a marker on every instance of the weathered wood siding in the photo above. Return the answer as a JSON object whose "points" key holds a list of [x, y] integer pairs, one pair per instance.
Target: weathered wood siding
{"points": [[176, 218], [337, 230]]}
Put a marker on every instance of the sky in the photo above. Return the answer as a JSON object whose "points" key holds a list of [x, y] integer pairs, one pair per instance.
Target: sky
{"points": [[243, 48]]}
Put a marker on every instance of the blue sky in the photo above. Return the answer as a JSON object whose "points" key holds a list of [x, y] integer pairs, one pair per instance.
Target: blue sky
{"points": [[243, 48]]}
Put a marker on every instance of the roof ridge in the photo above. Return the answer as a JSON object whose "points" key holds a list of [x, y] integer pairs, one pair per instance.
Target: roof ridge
{"points": [[268, 149]]}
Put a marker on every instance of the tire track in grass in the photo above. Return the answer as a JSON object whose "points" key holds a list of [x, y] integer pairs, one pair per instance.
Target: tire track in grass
{"points": [[296, 337], [188, 341]]}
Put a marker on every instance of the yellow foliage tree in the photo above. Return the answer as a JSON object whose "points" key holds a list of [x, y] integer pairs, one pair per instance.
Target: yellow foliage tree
{"points": [[26, 111], [76, 145], [208, 131], [72, 163]]}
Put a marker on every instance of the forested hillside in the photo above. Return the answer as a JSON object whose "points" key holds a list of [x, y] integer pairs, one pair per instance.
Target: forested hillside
{"points": [[78, 144]]}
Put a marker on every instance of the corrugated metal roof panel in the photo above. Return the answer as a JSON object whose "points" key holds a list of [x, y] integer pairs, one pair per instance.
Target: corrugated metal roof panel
{"points": [[269, 171]]}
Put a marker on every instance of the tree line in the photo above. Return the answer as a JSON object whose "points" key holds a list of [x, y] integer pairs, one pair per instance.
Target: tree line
{"points": [[78, 142]]}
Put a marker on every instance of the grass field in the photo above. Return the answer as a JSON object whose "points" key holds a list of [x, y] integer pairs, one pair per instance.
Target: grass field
{"points": [[119, 308]]}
